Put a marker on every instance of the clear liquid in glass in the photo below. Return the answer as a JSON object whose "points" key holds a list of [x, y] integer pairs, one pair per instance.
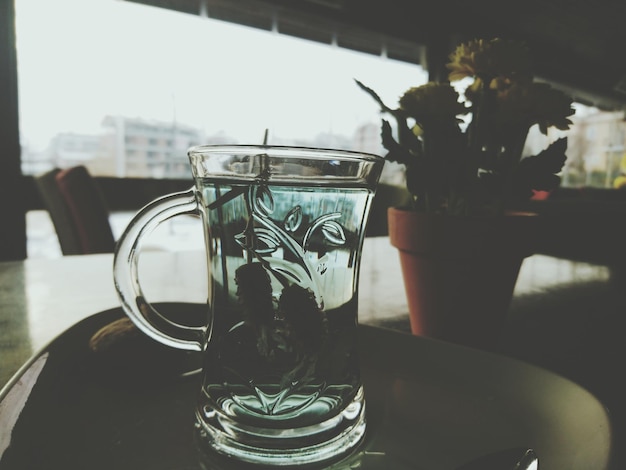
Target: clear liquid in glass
{"points": [[281, 365]]}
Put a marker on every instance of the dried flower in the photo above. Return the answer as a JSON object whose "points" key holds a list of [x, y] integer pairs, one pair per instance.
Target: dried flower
{"points": [[434, 103], [490, 60], [478, 169]]}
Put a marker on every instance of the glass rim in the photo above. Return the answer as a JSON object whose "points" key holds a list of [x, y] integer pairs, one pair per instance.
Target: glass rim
{"points": [[287, 151]]}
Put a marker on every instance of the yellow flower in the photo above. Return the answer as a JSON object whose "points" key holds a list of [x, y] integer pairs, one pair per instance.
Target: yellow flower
{"points": [[432, 103], [499, 85], [490, 59], [620, 182]]}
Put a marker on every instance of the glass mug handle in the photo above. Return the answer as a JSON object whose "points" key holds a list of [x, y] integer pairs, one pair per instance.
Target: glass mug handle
{"points": [[125, 273]]}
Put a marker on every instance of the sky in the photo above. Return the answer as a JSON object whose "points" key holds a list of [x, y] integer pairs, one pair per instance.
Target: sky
{"points": [[80, 60]]}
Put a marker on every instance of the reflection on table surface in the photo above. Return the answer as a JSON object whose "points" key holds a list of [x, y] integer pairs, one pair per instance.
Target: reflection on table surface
{"points": [[40, 298], [38, 287]]}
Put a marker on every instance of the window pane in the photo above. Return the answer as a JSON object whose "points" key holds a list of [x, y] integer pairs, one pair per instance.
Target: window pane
{"points": [[125, 88], [596, 155]]}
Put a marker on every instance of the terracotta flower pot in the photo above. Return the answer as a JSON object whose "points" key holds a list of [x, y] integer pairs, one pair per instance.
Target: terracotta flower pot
{"points": [[460, 272]]}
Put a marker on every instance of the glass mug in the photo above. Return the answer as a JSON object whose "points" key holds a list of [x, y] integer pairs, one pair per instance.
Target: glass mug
{"points": [[284, 229]]}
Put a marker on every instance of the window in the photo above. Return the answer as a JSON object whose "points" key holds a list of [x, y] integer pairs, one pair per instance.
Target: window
{"points": [[148, 81], [125, 89]]}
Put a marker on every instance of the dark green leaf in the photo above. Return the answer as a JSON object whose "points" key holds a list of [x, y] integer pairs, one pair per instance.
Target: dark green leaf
{"points": [[377, 98], [397, 153], [539, 172], [551, 159]]}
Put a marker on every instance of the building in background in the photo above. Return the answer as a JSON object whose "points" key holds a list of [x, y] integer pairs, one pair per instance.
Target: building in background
{"points": [[135, 147], [127, 147], [144, 148], [596, 149]]}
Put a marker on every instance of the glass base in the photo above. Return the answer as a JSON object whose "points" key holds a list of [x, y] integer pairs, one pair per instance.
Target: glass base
{"points": [[331, 439]]}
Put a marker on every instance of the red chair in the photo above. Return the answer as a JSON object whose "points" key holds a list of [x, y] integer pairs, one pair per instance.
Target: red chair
{"points": [[78, 211]]}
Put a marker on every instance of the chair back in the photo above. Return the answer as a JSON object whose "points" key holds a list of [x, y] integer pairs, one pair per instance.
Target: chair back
{"points": [[78, 211]]}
